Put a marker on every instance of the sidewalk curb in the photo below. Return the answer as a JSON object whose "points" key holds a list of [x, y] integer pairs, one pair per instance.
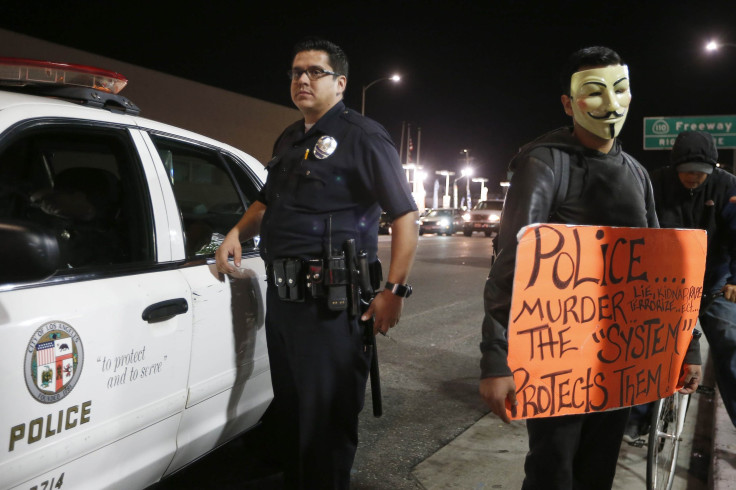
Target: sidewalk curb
{"points": [[723, 455]]}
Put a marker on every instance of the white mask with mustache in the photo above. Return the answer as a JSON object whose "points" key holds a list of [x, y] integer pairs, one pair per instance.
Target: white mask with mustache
{"points": [[600, 99]]}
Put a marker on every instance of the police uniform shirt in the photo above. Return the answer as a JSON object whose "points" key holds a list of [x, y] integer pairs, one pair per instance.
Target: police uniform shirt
{"points": [[319, 193]]}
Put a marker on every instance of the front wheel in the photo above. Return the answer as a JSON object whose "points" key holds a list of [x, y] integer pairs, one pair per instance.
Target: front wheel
{"points": [[467, 233], [664, 442]]}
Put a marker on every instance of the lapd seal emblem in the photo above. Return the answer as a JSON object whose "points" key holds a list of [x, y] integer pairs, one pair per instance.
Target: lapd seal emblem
{"points": [[325, 147], [53, 362]]}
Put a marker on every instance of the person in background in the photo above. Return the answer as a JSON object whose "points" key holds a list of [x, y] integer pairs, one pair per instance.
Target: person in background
{"points": [[692, 192]]}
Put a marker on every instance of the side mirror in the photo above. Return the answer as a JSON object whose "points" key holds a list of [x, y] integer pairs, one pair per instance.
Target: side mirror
{"points": [[27, 252]]}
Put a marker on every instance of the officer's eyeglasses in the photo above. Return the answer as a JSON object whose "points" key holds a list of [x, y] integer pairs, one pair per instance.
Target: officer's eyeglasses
{"points": [[313, 72]]}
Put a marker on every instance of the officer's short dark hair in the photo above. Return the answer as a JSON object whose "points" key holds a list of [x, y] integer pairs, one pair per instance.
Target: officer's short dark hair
{"points": [[337, 57], [591, 56]]}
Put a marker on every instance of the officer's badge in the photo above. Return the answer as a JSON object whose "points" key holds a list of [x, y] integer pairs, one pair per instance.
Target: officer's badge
{"points": [[325, 147]]}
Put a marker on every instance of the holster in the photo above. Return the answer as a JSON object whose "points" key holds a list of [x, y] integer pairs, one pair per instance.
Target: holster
{"points": [[315, 278], [375, 272], [330, 278], [288, 277]]}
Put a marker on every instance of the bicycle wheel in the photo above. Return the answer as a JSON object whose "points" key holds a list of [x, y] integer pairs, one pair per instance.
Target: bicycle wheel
{"points": [[664, 443]]}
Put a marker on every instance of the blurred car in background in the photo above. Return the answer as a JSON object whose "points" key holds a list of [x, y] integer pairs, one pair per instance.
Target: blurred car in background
{"points": [[384, 224], [484, 217], [446, 221]]}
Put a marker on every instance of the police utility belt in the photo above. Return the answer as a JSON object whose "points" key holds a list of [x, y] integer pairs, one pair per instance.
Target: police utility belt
{"points": [[332, 278]]}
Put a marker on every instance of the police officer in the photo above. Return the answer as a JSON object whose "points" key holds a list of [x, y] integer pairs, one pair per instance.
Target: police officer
{"points": [[330, 176]]}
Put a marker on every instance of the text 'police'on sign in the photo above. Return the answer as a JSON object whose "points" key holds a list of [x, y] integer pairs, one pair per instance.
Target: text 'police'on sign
{"points": [[601, 317]]}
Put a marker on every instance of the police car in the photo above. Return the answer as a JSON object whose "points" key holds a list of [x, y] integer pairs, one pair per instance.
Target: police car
{"points": [[126, 355]]}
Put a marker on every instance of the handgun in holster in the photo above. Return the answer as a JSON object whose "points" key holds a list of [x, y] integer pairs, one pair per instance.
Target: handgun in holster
{"points": [[363, 277]]}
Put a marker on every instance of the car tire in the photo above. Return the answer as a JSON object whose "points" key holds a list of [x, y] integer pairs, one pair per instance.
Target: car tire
{"points": [[488, 233], [421, 232], [467, 233]]}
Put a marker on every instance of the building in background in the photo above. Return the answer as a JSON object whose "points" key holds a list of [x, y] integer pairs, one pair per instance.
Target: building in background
{"points": [[247, 123]]}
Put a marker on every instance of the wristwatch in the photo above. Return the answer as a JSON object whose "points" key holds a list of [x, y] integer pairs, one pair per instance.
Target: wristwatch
{"points": [[401, 290]]}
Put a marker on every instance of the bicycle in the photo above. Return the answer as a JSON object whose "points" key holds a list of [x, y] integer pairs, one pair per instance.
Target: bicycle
{"points": [[665, 435], [665, 430]]}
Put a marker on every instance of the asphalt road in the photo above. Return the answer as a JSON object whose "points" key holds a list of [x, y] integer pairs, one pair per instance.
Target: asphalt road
{"points": [[429, 366], [429, 375]]}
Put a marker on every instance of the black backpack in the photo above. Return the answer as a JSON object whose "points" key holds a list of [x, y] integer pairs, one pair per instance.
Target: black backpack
{"points": [[561, 170]]}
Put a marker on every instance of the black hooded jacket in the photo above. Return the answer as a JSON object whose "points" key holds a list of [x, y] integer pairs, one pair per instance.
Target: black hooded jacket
{"points": [[707, 208], [603, 190]]}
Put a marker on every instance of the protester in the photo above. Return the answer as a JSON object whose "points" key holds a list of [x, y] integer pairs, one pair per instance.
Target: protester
{"points": [[693, 193], [605, 187]]}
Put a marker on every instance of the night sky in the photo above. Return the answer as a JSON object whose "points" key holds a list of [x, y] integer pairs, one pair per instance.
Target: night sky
{"points": [[481, 75]]}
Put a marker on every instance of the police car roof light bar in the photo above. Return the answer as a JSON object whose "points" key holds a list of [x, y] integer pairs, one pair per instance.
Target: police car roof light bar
{"points": [[20, 71]]}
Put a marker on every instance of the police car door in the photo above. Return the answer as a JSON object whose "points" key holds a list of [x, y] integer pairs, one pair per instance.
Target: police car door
{"points": [[229, 378], [95, 358]]}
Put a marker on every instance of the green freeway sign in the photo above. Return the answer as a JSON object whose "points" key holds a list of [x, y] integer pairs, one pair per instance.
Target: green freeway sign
{"points": [[660, 132]]}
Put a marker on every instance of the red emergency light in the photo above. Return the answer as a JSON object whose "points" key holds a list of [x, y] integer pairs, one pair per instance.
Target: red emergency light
{"points": [[20, 71]]}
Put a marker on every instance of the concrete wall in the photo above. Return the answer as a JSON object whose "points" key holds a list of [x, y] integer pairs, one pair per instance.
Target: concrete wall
{"points": [[249, 124]]}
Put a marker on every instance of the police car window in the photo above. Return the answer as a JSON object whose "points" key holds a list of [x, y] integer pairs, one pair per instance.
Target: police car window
{"points": [[211, 194], [84, 185]]}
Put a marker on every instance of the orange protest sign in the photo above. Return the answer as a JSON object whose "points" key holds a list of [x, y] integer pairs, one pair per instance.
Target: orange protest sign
{"points": [[601, 317]]}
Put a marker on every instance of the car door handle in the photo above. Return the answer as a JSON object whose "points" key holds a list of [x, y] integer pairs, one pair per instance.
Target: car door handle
{"points": [[165, 310]]}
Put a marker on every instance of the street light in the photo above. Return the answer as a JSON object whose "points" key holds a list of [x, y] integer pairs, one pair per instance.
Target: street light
{"points": [[394, 78], [469, 172], [715, 45], [466, 172]]}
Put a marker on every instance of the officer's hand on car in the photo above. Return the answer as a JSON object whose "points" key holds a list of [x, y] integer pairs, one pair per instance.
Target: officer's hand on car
{"points": [[230, 247], [385, 309], [499, 393]]}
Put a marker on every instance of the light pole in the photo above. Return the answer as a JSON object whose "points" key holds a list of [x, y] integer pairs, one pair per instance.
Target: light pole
{"points": [[469, 172], [466, 172], [483, 188], [446, 197], [394, 78]]}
